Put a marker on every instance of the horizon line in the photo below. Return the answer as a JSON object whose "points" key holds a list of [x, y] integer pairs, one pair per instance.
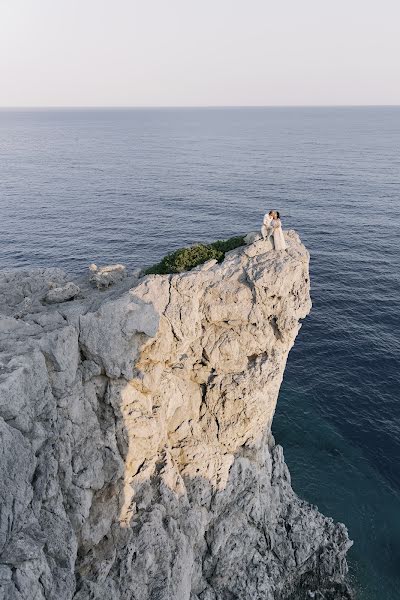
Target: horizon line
{"points": [[189, 106]]}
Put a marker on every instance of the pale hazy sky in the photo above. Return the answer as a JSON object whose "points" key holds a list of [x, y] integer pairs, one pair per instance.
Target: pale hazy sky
{"points": [[199, 52]]}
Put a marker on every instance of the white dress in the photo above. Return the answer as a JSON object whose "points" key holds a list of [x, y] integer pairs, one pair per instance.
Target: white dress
{"points": [[266, 229], [279, 240]]}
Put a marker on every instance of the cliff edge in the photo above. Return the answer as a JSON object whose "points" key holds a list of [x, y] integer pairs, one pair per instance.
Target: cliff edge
{"points": [[137, 460]]}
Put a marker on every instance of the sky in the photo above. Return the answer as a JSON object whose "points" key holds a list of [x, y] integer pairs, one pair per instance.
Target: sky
{"points": [[199, 52]]}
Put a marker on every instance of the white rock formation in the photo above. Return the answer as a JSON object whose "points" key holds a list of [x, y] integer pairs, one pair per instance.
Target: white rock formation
{"points": [[103, 277], [137, 460]]}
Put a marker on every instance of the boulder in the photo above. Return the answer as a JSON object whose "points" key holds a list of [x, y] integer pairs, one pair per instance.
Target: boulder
{"points": [[61, 294], [103, 277], [252, 237]]}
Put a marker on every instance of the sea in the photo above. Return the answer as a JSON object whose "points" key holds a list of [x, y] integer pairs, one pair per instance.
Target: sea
{"points": [[129, 185]]}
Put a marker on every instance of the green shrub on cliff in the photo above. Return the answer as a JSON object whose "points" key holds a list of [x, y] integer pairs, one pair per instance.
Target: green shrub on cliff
{"points": [[185, 259]]}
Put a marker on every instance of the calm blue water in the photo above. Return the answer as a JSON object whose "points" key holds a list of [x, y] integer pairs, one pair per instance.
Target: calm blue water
{"points": [[78, 186]]}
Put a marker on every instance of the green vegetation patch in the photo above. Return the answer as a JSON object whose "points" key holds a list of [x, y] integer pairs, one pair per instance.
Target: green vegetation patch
{"points": [[185, 259]]}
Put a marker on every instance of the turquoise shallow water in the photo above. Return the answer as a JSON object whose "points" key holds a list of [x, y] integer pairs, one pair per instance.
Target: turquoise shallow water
{"points": [[78, 186]]}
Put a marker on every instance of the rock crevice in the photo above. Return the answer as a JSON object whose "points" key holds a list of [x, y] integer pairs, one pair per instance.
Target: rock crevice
{"points": [[137, 460]]}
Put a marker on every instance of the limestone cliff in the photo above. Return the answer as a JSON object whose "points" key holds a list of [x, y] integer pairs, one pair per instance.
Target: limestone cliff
{"points": [[137, 460]]}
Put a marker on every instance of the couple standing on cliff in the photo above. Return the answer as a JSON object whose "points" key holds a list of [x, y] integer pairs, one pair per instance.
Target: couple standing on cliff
{"points": [[272, 229]]}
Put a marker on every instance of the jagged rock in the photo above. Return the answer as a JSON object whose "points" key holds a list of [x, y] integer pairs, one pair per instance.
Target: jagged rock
{"points": [[23, 290], [103, 277], [137, 459], [61, 294], [252, 237]]}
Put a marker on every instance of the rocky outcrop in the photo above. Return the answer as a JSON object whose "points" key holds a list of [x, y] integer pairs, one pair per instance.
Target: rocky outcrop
{"points": [[103, 277], [137, 460]]}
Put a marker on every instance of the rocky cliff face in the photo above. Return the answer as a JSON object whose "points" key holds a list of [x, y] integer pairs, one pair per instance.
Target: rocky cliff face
{"points": [[137, 460]]}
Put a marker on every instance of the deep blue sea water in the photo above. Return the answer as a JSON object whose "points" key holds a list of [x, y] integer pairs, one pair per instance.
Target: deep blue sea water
{"points": [[82, 186]]}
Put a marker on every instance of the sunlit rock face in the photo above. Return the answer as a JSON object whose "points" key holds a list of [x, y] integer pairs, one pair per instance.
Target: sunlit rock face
{"points": [[137, 460]]}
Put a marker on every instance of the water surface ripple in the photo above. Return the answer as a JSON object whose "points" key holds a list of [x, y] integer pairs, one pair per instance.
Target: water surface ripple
{"points": [[82, 186]]}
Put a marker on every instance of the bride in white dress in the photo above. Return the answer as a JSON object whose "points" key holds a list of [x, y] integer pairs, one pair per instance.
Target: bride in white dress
{"points": [[279, 240]]}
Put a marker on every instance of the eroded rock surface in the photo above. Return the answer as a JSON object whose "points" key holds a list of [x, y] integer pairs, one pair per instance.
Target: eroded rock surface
{"points": [[137, 460]]}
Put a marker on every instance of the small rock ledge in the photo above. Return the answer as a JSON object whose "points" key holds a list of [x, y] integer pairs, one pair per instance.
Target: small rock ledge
{"points": [[137, 459]]}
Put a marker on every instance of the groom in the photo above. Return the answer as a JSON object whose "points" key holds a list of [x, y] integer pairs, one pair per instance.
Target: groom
{"points": [[266, 229]]}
